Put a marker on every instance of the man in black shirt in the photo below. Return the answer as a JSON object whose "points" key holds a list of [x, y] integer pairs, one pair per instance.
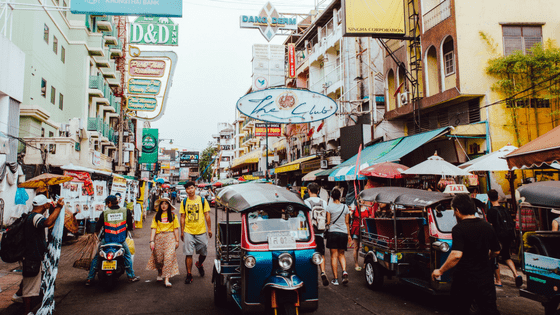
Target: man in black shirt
{"points": [[474, 244]]}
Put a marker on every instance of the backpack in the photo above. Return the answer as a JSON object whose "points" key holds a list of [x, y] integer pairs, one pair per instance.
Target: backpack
{"points": [[505, 224], [12, 247], [318, 216], [185, 202]]}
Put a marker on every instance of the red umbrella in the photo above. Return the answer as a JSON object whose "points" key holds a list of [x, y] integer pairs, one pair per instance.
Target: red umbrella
{"points": [[241, 179], [202, 185], [217, 184], [385, 170], [165, 186]]}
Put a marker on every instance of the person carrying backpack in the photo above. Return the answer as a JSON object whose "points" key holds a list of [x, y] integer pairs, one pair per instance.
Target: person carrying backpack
{"points": [[36, 246], [504, 227], [319, 219]]}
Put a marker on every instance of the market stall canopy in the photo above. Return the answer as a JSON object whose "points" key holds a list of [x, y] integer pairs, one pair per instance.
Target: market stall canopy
{"points": [[165, 186], [387, 151], [546, 194], [491, 162], [229, 181], [435, 165], [243, 197], [44, 180], [403, 196], [160, 180], [385, 170], [311, 176], [72, 167], [541, 152], [249, 158]]}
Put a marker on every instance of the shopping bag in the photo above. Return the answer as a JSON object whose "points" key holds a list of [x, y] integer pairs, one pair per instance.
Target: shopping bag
{"points": [[130, 243]]}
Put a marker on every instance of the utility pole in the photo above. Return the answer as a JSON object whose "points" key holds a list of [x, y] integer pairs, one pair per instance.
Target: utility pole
{"points": [[121, 67]]}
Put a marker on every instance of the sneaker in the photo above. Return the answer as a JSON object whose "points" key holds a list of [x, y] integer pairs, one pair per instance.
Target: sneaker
{"points": [[325, 280], [159, 278], [200, 268], [189, 279], [134, 279], [17, 299], [88, 282], [167, 283], [518, 281], [344, 277], [334, 281]]}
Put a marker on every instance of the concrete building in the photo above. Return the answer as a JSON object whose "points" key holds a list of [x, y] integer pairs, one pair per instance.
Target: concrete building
{"points": [[224, 142]]}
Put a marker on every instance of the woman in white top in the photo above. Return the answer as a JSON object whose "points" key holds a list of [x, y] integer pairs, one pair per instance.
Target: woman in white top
{"points": [[338, 218]]}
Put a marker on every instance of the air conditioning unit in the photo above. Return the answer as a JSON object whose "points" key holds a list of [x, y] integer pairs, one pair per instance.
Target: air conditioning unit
{"points": [[403, 98], [324, 164]]}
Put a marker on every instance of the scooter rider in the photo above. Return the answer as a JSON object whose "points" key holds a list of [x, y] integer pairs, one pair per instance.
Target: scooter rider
{"points": [[115, 221]]}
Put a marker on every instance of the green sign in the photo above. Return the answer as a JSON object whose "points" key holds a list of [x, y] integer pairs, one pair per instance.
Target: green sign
{"points": [[154, 31], [144, 86], [140, 103], [149, 146]]}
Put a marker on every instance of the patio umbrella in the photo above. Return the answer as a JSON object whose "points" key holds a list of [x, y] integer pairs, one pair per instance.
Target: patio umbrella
{"points": [[44, 180], [165, 186], [229, 181], [217, 184], [159, 180], [201, 185], [311, 176], [435, 165], [385, 170], [494, 161]]}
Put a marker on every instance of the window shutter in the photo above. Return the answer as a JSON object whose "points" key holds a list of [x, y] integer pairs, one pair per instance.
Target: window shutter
{"points": [[530, 42], [512, 44]]}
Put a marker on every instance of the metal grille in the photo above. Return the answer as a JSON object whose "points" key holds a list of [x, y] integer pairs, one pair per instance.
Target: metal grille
{"points": [[13, 129]]}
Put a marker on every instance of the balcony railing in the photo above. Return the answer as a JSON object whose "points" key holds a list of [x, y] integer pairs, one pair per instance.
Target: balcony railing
{"points": [[437, 15], [248, 137], [96, 82], [94, 123], [248, 120], [328, 80]]}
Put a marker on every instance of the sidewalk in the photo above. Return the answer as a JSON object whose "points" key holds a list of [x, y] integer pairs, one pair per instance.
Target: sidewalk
{"points": [[9, 284]]}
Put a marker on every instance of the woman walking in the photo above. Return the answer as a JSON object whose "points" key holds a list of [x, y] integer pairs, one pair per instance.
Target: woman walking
{"points": [[338, 217], [164, 241]]}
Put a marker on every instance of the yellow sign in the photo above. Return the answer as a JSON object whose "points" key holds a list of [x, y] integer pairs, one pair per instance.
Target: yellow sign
{"points": [[287, 168], [380, 18]]}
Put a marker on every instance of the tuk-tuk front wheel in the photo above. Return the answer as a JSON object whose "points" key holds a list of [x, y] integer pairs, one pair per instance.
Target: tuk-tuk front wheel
{"points": [[374, 274], [220, 291]]}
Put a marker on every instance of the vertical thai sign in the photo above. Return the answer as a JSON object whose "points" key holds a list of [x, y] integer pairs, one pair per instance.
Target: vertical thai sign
{"points": [[291, 60], [149, 146]]}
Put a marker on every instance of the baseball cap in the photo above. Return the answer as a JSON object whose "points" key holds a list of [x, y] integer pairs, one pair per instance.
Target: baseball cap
{"points": [[40, 200], [111, 198]]}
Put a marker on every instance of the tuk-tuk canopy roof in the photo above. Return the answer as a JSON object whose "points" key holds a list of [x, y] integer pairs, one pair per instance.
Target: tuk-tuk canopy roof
{"points": [[243, 197], [403, 196], [542, 193]]}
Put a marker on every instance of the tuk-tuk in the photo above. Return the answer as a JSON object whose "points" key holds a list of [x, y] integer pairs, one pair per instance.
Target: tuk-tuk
{"points": [[541, 252], [266, 261], [410, 240]]}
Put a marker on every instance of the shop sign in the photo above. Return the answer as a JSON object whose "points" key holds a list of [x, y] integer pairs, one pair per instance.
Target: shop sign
{"points": [[310, 166], [154, 31], [144, 86], [274, 130], [258, 174], [386, 21], [269, 21], [245, 171], [140, 103], [287, 106], [236, 173], [184, 173], [169, 8], [149, 146], [291, 60], [147, 68], [188, 159], [287, 168]]}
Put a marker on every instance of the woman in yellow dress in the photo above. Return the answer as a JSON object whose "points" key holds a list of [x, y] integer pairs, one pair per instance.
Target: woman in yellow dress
{"points": [[164, 241]]}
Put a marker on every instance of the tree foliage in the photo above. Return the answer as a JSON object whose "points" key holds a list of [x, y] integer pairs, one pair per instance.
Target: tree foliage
{"points": [[525, 78], [205, 160]]}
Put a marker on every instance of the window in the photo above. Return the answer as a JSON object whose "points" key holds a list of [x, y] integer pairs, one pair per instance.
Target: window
{"points": [[51, 134], [448, 57], [60, 101], [522, 38], [65, 13], [449, 63], [530, 103], [62, 54], [55, 45], [53, 95], [43, 88], [46, 34]]}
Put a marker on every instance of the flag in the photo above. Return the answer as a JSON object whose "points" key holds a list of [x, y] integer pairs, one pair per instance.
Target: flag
{"points": [[398, 90], [321, 126]]}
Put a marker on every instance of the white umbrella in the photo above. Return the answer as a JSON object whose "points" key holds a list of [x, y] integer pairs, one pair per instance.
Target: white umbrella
{"points": [[494, 161], [435, 165]]}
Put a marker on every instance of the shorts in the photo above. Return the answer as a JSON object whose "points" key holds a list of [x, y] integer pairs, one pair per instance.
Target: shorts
{"points": [[505, 251], [320, 244], [195, 243], [337, 240], [31, 286]]}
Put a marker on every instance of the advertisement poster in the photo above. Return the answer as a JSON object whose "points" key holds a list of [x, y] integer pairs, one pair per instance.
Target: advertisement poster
{"points": [[149, 146], [100, 190], [119, 186]]}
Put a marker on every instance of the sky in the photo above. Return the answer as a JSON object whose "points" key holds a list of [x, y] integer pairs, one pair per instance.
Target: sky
{"points": [[214, 67]]}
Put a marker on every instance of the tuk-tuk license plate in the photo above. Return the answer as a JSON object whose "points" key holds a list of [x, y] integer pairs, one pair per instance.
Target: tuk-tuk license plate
{"points": [[109, 265], [281, 242]]}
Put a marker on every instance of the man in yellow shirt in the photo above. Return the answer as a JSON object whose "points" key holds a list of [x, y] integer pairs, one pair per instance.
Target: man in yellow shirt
{"points": [[193, 229]]}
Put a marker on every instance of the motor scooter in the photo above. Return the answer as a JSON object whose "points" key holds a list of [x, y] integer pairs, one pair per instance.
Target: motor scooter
{"points": [[111, 266]]}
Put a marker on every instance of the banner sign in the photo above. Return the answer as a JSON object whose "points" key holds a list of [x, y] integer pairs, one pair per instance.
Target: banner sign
{"points": [[149, 146], [384, 20], [269, 21], [188, 159], [144, 86], [287, 106], [140, 103], [169, 8], [146, 68], [274, 130], [268, 66], [291, 60], [184, 173], [154, 31]]}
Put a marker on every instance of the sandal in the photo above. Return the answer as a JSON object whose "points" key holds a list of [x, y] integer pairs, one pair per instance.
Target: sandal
{"points": [[167, 283]]}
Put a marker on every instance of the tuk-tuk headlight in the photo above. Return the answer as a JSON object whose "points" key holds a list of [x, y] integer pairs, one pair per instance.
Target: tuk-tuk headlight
{"points": [[442, 246], [285, 261], [250, 261], [317, 258]]}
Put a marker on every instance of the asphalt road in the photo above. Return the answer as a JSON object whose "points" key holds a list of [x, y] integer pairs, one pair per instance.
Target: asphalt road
{"points": [[150, 297]]}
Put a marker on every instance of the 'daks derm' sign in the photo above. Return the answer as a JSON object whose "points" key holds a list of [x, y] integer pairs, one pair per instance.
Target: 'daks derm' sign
{"points": [[287, 106], [268, 21], [163, 8]]}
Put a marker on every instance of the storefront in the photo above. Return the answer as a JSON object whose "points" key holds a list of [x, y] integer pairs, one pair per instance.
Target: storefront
{"points": [[292, 172]]}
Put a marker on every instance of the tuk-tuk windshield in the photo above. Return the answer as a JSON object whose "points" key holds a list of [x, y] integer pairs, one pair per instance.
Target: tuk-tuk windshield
{"points": [[445, 220], [274, 223]]}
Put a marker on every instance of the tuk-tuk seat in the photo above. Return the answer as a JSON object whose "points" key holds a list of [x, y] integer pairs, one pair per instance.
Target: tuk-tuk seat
{"points": [[411, 232], [545, 243]]}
